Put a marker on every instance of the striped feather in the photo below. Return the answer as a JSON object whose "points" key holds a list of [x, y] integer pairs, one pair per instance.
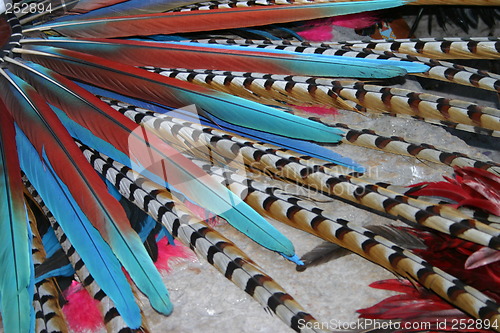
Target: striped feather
{"points": [[348, 95], [113, 321], [140, 84], [436, 48], [190, 55], [358, 137], [301, 214], [97, 256], [438, 70], [285, 165], [48, 313], [206, 242]]}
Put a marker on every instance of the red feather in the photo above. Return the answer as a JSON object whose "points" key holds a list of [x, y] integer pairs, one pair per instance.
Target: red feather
{"points": [[471, 187], [227, 18], [125, 135], [5, 31], [51, 138], [415, 307], [139, 53]]}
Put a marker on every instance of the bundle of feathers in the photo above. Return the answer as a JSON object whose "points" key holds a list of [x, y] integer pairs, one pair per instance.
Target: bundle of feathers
{"points": [[133, 132]]}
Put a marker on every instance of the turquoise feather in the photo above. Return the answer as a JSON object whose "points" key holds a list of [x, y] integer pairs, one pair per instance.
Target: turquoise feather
{"points": [[196, 185], [16, 269], [97, 255]]}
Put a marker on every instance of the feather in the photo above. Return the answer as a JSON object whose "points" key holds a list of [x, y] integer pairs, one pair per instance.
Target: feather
{"points": [[51, 148], [439, 70], [446, 48], [97, 256], [232, 58], [484, 256], [164, 125], [147, 149], [113, 313], [126, 8], [333, 180], [206, 242], [166, 23], [140, 84], [16, 284], [348, 95], [398, 145], [120, 102], [48, 314], [84, 6], [301, 214], [328, 251], [322, 254]]}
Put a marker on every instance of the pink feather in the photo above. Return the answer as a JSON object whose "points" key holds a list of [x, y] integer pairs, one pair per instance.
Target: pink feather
{"points": [[316, 109], [81, 311], [168, 254], [321, 30]]}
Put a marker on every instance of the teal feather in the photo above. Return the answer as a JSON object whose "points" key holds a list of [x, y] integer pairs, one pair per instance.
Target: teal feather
{"points": [[16, 268], [83, 112], [97, 255]]}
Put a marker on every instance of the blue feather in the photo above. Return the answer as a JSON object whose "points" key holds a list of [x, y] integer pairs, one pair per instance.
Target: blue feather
{"points": [[66, 270], [232, 210], [327, 65], [304, 147], [16, 266], [98, 257], [50, 243]]}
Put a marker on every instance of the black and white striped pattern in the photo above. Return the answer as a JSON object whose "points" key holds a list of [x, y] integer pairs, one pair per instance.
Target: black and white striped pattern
{"points": [[112, 319], [221, 4], [206, 242], [349, 95], [48, 314], [438, 48], [305, 215], [285, 165], [439, 70]]}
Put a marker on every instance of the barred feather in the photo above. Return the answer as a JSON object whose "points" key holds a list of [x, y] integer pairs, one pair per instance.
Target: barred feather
{"points": [[48, 313], [437, 48], [112, 319], [347, 95], [291, 167], [206, 242], [302, 214]]}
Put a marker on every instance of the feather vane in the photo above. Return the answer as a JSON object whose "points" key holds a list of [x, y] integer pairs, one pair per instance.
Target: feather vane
{"points": [[16, 289]]}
